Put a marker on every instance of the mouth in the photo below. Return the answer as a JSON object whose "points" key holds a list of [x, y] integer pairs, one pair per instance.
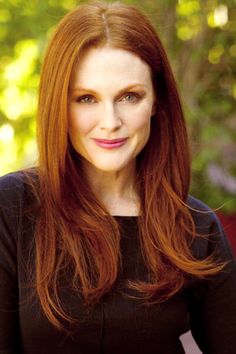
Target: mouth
{"points": [[110, 143]]}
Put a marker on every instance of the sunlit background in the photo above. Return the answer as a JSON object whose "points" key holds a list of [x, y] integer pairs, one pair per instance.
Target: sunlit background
{"points": [[200, 38]]}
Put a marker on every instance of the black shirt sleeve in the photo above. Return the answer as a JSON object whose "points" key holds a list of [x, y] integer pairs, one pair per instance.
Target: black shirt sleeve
{"points": [[212, 307], [9, 226]]}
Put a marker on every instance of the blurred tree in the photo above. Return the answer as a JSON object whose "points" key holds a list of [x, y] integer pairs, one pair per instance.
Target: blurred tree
{"points": [[199, 36]]}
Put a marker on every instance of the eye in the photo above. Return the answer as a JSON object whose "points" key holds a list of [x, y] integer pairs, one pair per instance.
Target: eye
{"points": [[130, 97], [86, 99]]}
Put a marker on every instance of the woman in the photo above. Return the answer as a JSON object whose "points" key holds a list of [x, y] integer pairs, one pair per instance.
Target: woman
{"points": [[102, 250]]}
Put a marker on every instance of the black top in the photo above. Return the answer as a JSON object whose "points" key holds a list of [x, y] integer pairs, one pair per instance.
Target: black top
{"points": [[117, 325]]}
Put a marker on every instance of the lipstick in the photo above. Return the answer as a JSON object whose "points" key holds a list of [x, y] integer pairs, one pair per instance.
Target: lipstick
{"points": [[110, 143]]}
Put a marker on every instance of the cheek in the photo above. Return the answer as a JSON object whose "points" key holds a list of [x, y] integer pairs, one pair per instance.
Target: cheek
{"points": [[80, 122], [141, 120]]}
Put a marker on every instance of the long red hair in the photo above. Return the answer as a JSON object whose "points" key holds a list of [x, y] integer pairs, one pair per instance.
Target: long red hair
{"points": [[74, 230]]}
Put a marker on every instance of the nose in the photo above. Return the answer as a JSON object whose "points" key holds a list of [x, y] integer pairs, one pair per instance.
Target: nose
{"points": [[109, 117]]}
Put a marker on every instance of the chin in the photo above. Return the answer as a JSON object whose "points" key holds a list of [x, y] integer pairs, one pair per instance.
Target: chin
{"points": [[109, 168]]}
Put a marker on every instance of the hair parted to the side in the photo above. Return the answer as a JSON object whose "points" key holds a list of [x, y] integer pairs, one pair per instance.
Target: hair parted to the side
{"points": [[74, 229]]}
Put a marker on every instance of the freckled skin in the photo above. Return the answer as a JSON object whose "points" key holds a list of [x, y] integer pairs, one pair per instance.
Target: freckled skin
{"points": [[112, 97]]}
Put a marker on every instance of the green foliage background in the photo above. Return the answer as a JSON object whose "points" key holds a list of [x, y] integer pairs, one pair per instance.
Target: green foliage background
{"points": [[200, 38]]}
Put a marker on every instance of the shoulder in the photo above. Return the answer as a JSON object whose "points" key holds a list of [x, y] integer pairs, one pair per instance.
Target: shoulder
{"points": [[11, 216], [11, 180], [210, 235], [203, 216], [11, 201], [16, 189], [11, 187], [196, 203], [16, 199]]}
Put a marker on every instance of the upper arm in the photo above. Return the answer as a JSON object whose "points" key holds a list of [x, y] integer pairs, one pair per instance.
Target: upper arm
{"points": [[213, 305], [9, 226]]}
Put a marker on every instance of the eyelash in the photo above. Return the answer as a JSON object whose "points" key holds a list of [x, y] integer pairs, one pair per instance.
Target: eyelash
{"points": [[89, 99], [135, 96], [82, 99]]}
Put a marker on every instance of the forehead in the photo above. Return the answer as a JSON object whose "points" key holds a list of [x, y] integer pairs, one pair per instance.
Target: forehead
{"points": [[104, 66]]}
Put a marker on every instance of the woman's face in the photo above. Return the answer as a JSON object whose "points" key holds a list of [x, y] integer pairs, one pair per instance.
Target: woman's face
{"points": [[110, 107]]}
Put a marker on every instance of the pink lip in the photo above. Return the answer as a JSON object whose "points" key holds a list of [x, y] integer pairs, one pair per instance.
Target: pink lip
{"points": [[110, 143]]}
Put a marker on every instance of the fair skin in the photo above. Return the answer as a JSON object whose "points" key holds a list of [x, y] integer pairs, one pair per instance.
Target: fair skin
{"points": [[110, 109]]}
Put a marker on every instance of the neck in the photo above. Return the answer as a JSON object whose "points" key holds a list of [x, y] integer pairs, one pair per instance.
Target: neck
{"points": [[117, 190]]}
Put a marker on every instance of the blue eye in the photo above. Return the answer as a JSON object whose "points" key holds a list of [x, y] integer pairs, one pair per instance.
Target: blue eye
{"points": [[86, 99], [130, 97]]}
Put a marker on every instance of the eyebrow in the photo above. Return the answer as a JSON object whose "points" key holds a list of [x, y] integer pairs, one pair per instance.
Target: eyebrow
{"points": [[125, 89]]}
